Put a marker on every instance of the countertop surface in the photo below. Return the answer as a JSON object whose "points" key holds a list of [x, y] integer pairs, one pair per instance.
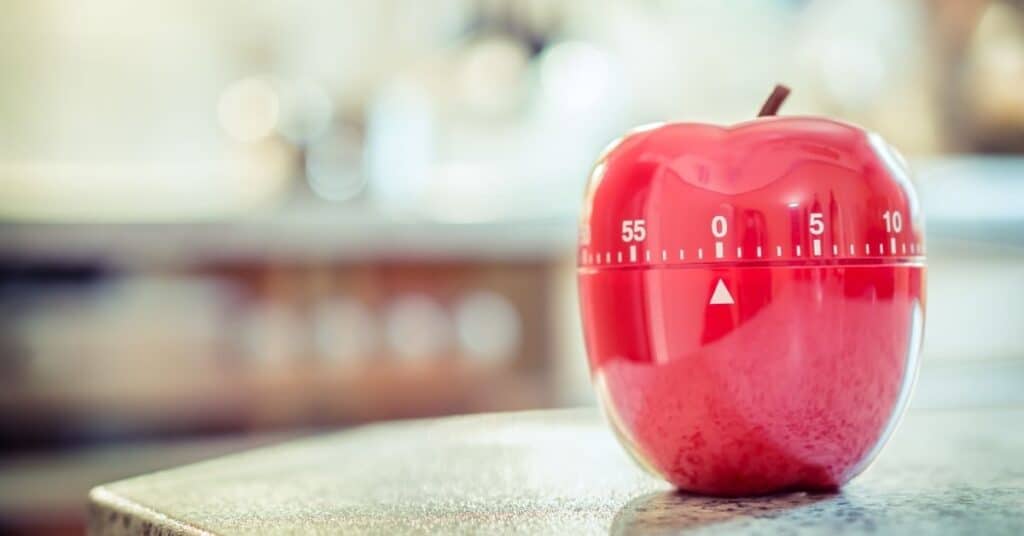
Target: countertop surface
{"points": [[948, 471]]}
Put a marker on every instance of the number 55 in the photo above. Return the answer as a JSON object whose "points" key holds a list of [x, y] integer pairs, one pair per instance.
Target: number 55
{"points": [[633, 231]]}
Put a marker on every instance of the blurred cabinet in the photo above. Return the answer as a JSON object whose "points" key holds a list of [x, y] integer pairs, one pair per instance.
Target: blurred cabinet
{"points": [[106, 344]]}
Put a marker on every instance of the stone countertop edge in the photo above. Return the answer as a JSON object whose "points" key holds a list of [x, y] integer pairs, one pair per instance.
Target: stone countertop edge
{"points": [[113, 515]]}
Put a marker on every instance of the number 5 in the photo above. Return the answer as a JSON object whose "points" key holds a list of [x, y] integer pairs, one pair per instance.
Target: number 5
{"points": [[817, 224]]}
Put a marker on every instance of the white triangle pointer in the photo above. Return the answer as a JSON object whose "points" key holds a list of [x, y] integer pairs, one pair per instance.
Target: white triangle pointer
{"points": [[721, 296]]}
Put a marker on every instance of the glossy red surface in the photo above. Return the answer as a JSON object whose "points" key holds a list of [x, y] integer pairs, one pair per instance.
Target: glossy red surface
{"points": [[752, 302]]}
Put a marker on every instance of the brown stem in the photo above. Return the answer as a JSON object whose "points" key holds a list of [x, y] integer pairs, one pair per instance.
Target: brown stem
{"points": [[774, 102]]}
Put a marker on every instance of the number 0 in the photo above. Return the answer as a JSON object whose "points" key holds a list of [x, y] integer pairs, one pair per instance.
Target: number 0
{"points": [[719, 226]]}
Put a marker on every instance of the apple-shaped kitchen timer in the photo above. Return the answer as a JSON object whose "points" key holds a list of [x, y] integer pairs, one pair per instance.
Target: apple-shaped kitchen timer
{"points": [[752, 299]]}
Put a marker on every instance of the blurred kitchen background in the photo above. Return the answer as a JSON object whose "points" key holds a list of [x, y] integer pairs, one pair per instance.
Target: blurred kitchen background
{"points": [[227, 223]]}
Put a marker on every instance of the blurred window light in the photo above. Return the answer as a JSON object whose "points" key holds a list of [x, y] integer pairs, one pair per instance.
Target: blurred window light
{"points": [[575, 76], [964, 190], [400, 143], [462, 192], [246, 177], [853, 70], [487, 325], [995, 67], [491, 75], [306, 111], [248, 109], [334, 166], [417, 327], [860, 48]]}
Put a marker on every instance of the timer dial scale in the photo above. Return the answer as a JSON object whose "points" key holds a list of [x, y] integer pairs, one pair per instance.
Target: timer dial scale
{"points": [[752, 300]]}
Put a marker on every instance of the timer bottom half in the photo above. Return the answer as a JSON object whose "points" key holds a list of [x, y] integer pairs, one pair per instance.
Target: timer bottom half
{"points": [[754, 379]]}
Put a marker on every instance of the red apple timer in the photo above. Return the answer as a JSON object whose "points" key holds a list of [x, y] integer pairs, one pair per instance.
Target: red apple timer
{"points": [[752, 299]]}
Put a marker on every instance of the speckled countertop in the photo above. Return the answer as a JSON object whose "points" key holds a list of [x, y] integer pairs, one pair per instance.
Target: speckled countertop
{"points": [[562, 472]]}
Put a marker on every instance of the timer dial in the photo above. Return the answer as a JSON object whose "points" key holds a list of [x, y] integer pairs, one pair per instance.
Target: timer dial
{"points": [[752, 299], [792, 190]]}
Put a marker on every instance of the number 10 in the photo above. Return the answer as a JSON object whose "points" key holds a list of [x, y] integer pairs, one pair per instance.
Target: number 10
{"points": [[893, 221]]}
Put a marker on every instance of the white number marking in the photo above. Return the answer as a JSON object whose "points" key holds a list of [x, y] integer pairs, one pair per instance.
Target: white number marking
{"points": [[893, 221], [817, 225], [633, 230], [719, 226]]}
